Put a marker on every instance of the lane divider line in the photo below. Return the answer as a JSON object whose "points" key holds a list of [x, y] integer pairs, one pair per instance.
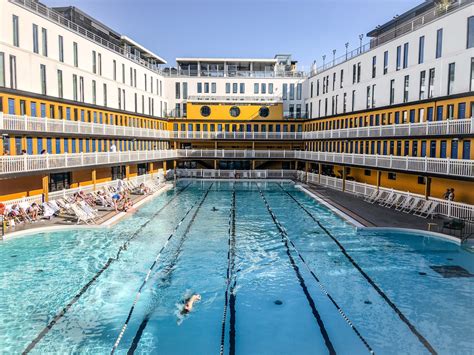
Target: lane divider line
{"points": [[285, 239], [66, 308], [392, 305]]}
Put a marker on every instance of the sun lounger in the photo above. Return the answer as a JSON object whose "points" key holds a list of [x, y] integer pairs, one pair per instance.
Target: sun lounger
{"points": [[428, 211], [412, 205], [386, 199]]}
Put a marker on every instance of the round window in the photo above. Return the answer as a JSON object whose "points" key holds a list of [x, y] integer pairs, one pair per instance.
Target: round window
{"points": [[205, 111], [264, 111], [234, 111]]}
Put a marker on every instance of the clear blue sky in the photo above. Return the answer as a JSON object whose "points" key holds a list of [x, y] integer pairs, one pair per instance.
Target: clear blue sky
{"points": [[243, 28]]}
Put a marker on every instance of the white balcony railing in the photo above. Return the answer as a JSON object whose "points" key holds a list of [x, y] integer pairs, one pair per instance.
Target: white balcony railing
{"points": [[44, 162], [445, 207], [237, 135], [235, 98], [439, 166], [15, 123], [233, 174]]}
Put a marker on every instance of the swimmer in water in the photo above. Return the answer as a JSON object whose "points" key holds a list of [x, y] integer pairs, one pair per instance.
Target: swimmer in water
{"points": [[189, 302], [214, 209]]}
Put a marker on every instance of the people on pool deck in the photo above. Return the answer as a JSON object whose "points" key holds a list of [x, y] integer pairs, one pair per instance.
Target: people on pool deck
{"points": [[189, 303]]}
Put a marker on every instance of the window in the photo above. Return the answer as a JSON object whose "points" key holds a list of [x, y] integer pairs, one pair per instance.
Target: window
{"points": [[114, 69], [264, 111], [385, 62], [94, 92], [213, 88], [292, 91], [123, 73], [353, 99], [94, 62], [358, 72], [44, 35], [16, 36], [368, 96], [61, 48], [75, 54], [354, 73], [105, 94], [367, 172], [374, 66], [12, 72], [285, 91], [235, 88], [392, 176], [178, 90], [60, 84], [234, 111], [341, 79], [470, 32], [406, 86], [299, 90], [43, 78], [74, 87], [471, 87], [99, 59], [405, 56], [451, 72], [421, 50], [399, 57], [205, 111], [185, 90], [199, 88], [431, 79], [242, 88], [439, 43], [206, 88], [35, 39], [333, 81], [2, 69], [392, 91], [422, 85], [255, 88], [421, 180]]}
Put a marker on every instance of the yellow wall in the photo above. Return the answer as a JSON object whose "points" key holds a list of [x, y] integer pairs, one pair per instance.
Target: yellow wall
{"points": [[222, 112]]}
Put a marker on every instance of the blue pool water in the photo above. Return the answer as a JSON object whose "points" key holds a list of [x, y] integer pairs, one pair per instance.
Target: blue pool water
{"points": [[385, 283]]}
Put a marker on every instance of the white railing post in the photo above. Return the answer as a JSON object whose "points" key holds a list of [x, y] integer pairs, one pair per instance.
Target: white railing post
{"points": [[82, 158], [472, 125], [26, 122], [65, 159], [64, 126], [25, 162], [1, 120], [448, 167]]}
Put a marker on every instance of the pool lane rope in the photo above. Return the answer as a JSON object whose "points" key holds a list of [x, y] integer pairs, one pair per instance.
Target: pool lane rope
{"points": [[392, 305], [123, 247], [295, 267], [166, 273], [229, 296], [150, 270]]}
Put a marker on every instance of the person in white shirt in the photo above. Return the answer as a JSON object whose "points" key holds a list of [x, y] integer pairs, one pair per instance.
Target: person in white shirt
{"points": [[113, 148]]}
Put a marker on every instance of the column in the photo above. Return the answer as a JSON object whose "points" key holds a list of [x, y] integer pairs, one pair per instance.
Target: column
{"points": [[427, 187], [127, 172], [320, 168], [164, 166], [94, 177], [344, 175], [150, 169], [45, 185], [379, 178]]}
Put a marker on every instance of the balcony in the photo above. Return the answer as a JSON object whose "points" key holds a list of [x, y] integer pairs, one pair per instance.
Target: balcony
{"points": [[173, 72], [236, 135], [235, 99], [27, 124]]}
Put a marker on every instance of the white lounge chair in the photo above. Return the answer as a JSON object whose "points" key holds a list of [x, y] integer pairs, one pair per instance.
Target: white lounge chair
{"points": [[404, 204], [412, 205], [398, 198], [387, 199], [371, 196], [429, 211]]}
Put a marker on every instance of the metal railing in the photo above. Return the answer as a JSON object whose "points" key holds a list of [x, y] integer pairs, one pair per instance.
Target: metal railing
{"points": [[15, 123], [44, 162], [440, 166], [237, 135], [433, 128], [57, 18], [398, 31], [173, 72], [235, 98], [445, 207], [236, 174]]}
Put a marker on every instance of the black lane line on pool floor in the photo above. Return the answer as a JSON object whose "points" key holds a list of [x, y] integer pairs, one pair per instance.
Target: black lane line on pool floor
{"points": [[63, 311], [166, 274], [311, 302], [229, 296], [152, 266], [322, 287], [392, 305]]}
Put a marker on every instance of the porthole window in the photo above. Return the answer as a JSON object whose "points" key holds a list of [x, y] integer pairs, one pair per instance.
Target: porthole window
{"points": [[205, 111], [264, 111], [234, 111]]}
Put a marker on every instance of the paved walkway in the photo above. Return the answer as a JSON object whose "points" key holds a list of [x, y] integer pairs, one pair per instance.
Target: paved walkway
{"points": [[373, 215]]}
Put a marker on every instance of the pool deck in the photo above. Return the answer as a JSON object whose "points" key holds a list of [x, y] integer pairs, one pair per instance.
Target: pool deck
{"points": [[373, 215], [107, 217]]}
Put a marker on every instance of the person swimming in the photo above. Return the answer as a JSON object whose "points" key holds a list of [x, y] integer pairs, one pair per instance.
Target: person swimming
{"points": [[189, 303], [214, 209]]}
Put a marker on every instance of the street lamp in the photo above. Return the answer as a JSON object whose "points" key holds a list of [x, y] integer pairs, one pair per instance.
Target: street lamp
{"points": [[347, 46], [361, 36]]}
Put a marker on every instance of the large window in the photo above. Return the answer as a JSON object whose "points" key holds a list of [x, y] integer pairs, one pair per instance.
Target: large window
{"points": [[285, 91], [61, 49], [421, 50], [470, 32], [44, 39], [299, 90], [451, 72], [12, 72], [255, 88], [374, 66], [75, 54], [185, 90], [16, 34], [405, 56], [431, 83], [471, 85], [178, 90], [74, 87], [292, 91], [35, 39], [2, 69], [392, 91], [385, 62], [94, 64], [43, 78], [399, 57], [439, 43], [406, 87], [422, 85], [242, 88]]}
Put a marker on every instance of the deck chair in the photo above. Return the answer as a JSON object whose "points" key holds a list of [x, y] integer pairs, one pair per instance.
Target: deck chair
{"points": [[404, 204], [387, 199], [430, 211], [371, 196], [398, 198], [412, 205]]}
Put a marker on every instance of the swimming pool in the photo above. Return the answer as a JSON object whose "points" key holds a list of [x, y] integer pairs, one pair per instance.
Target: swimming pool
{"points": [[278, 272]]}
